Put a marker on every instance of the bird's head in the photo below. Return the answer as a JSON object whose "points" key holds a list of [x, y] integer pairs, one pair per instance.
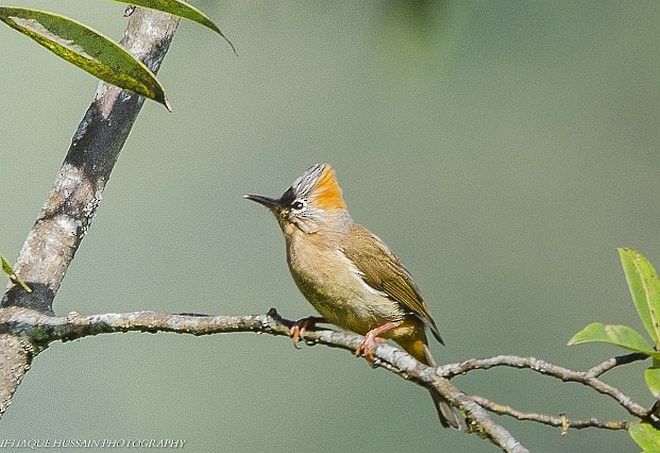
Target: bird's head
{"points": [[313, 202]]}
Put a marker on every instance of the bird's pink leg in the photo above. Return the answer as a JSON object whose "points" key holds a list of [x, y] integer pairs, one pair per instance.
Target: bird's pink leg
{"points": [[297, 331], [366, 348]]}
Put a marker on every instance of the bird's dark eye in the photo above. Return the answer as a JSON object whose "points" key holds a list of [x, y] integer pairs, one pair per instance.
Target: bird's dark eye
{"points": [[297, 205]]}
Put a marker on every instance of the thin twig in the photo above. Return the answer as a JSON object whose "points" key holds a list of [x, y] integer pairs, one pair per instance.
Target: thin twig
{"points": [[607, 365], [562, 421], [548, 369]]}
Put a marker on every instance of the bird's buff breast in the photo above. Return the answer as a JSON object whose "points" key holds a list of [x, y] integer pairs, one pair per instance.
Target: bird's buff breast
{"points": [[334, 286]]}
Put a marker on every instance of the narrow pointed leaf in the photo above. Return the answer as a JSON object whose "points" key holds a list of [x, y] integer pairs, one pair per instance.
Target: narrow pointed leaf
{"points": [[644, 289], [9, 270], [6, 265], [181, 9], [618, 335], [85, 48], [646, 436], [652, 377]]}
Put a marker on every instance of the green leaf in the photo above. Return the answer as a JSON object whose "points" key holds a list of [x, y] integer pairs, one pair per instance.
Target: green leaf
{"points": [[652, 378], [180, 8], [646, 436], [644, 289], [6, 265], [618, 335], [7, 269], [86, 49]]}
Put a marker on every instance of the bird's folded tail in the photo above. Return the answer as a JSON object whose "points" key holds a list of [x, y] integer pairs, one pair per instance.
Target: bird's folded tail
{"points": [[418, 348], [448, 415]]}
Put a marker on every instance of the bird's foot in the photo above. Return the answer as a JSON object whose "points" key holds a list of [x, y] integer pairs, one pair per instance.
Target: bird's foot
{"points": [[297, 331], [366, 347]]}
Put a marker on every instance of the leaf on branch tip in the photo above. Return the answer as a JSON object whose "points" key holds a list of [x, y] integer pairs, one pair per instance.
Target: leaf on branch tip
{"points": [[87, 49], [652, 378], [646, 436], [182, 9], [6, 265], [619, 335], [644, 289]]}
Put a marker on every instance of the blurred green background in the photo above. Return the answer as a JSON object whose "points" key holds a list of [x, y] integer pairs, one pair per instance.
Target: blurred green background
{"points": [[502, 149]]}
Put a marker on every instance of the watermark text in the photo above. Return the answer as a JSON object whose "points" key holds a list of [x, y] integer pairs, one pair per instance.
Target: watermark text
{"points": [[34, 444]]}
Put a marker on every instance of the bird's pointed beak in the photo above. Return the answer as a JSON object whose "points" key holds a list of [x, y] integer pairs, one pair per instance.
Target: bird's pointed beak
{"points": [[270, 203]]}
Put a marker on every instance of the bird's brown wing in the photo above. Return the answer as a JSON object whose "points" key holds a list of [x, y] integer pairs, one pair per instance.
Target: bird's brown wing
{"points": [[383, 271]]}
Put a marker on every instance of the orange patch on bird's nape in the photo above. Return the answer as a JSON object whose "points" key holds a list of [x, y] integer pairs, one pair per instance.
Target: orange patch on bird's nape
{"points": [[326, 192]]}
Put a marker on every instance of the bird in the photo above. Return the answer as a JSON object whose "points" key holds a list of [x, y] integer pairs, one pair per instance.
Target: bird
{"points": [[349, 275]]}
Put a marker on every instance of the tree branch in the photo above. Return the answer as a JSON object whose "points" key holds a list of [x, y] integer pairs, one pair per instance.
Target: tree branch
{"points": [[71, 204], [607, 365], [41, 329], [548, 369], [77, 190], [15, 359], [562, 421]]}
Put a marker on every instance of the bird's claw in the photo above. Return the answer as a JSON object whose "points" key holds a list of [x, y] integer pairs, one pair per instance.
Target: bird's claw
{"points": [[296, 334], [299, 327], [366, 347]]}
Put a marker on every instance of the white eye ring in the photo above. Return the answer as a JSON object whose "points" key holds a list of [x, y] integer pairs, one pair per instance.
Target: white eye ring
{"points": [[298, 205]]}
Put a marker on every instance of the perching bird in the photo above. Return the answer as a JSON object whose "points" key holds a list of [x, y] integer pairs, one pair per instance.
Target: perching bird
{"points": [[349, 275]]}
